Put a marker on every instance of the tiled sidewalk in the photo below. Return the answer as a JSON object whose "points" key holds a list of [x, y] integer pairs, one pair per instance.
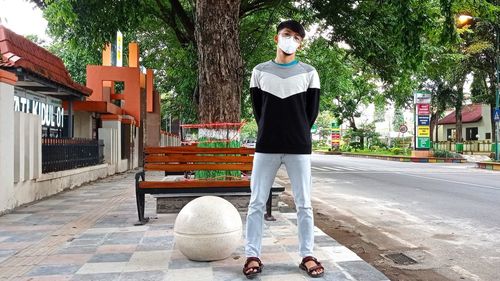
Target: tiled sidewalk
{"points": [[88, 234]]}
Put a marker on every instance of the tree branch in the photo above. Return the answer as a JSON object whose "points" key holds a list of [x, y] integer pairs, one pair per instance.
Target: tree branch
{"points": [[168, 16], [186, 21], [249, 7], [41, 3]]}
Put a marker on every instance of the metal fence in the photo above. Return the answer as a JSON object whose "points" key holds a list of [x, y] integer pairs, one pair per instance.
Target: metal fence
{"points": [[60, 154], [469, 146]]}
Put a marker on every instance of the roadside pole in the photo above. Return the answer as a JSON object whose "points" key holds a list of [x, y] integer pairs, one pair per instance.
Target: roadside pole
{"points": [[422, 101], [496, 117]]}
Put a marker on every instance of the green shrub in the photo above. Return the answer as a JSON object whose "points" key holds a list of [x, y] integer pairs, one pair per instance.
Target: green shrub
{"points": [[356, 145], [402, 142], [446, 154], [397, 151], [201, 174], [319, 143], [346, 148]]}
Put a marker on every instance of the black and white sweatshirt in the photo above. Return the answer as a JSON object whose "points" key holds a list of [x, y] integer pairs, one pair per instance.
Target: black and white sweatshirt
{"points": [[285, 100]]}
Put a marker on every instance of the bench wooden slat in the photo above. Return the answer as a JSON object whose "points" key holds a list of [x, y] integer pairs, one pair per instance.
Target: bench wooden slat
{"points": [[197, 150], [197, 167], [191, 158], [195, 158], [186, 184]]}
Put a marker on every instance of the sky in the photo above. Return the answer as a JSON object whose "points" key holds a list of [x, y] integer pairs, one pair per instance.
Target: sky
{"points": [[23, 17]]}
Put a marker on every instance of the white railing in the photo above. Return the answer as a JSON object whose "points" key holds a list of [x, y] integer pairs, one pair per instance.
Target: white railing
{"points": [[469, 146], [169, 139]]}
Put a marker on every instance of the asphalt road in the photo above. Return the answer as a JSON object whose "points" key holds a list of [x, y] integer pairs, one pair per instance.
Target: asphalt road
{"points": [[445, 216]]}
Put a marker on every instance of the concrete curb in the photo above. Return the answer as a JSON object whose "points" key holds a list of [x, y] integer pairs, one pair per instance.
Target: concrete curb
{"points": [[407, 158], [328, 152], [494, 166]]}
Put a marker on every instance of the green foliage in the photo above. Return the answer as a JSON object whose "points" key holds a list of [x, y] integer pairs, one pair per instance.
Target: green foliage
{"points": [[400, 142], [394, 47], [37, 40], [83, 27], [398, 120], [387, 34], [165, 33], [218, 175], [477, 42], [380, 104], [347, 82], [346, 147], [324, 123], [76, 59], [446, 154], [479, 88], [355, 138], [90, 24], [322, 145], [396, 151], [375, 150], [249, 130]]}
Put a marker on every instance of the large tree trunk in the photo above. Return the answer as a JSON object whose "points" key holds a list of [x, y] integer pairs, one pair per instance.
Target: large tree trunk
{"points": [[492, 107], [492, 122], [458, 127], [219, 60], [438, 113], [458, 114], [433, 123], [458, 111]]}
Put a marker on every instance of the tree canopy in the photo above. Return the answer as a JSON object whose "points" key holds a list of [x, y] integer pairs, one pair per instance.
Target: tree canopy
{"points": [[364, 50]]}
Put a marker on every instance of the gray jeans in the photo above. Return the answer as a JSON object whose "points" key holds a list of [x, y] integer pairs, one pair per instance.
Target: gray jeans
{"points": [[265, 167]]}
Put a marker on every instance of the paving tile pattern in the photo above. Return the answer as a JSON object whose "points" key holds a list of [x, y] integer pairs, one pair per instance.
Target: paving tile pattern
{"points": [[88, 234]]}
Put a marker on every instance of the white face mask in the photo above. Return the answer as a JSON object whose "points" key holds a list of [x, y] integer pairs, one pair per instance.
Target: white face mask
{"points": [[287, 44]]}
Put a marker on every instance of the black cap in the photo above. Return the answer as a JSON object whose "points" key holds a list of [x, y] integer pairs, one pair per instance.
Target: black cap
{"points": [[292, 25]]}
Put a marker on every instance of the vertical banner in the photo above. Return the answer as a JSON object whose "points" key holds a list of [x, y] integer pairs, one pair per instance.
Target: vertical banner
{"points": [[335, 135], [119, 49], [422, 101]]}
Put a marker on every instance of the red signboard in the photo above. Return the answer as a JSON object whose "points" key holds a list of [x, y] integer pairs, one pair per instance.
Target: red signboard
{"points": [[423, 109], [335, 138]]}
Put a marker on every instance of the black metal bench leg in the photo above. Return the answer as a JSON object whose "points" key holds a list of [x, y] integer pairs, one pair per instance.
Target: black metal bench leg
{"points": [[268, 215], [140, 200]]}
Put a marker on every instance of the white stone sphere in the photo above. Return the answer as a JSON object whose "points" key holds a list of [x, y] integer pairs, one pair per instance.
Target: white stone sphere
{"points": [[208, 228]]}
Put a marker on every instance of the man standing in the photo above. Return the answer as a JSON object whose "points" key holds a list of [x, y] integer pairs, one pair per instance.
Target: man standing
{"points": [[285, 99]]}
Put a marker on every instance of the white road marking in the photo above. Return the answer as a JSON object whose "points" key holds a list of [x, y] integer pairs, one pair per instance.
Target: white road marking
{"points": [[320, 169], [332, 169], [450, 181], [336, 169]]}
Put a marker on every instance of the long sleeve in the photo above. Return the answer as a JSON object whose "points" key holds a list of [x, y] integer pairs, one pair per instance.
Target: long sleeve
{"points": [[312, 98], [256, 95], [285, 102]]}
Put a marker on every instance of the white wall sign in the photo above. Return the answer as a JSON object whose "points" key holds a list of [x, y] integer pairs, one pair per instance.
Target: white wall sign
{"points": [[49, 109], [422, 97], [119, 49]]}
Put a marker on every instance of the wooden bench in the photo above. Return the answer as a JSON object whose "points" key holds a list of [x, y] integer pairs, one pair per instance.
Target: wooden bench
{"points": [[185, 159]]}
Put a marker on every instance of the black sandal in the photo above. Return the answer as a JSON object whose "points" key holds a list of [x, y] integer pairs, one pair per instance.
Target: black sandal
{"points": [[310, 270], [249, 271]]}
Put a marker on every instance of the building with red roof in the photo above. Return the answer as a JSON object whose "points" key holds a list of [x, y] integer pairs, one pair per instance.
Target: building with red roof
{"points": [[476, 124], [42, 83], [37, 68], [57, 133]]}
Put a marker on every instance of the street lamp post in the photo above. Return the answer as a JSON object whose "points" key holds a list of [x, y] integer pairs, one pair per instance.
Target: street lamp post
{"points": [[463, 20], [497, 101]]}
